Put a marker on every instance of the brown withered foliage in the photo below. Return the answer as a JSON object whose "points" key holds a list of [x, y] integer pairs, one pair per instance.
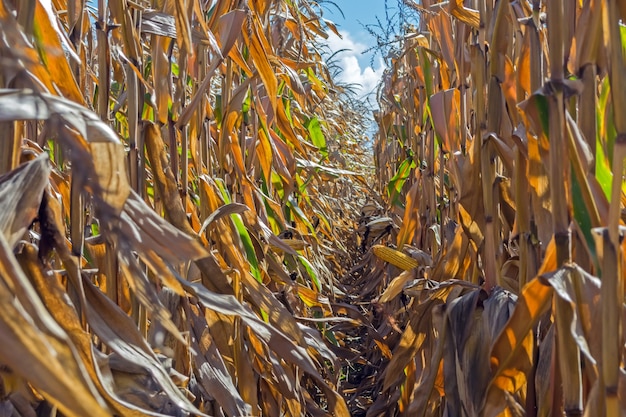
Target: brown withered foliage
{"points": [[172, 208], [499, 287], [190, 223]]}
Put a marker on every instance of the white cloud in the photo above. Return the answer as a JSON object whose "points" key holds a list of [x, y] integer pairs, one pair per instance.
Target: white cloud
{"points": [[355, 66]]}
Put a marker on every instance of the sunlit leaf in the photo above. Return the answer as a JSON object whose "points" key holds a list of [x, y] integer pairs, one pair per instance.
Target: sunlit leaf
{"points": [[317, 136]]}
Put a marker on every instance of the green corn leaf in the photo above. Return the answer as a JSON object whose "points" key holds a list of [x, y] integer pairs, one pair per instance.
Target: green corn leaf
{"points": [[317, 137]]}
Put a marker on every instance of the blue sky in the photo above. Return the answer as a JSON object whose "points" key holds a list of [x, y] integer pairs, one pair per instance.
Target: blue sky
{"points": [[357, 67], [356, 14]]}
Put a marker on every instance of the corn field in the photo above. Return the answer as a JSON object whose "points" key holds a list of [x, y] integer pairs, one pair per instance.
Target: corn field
{"points": [[192, 221]]}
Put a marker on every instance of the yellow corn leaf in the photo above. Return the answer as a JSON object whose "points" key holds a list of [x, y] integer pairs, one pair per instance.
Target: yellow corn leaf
{"points": [[396, 286], [464, 14], [410, 220], [311, 298], [265, 154], [160, 71], [261, 53], [48, 38], [23, 54], [287, 129]]}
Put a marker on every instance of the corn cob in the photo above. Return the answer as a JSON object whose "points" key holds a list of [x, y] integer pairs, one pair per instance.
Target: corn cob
{"points": [[295, 244], [395, 257]]}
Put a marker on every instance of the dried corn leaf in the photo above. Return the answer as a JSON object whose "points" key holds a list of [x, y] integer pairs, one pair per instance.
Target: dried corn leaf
{"points": [[38, 349]]}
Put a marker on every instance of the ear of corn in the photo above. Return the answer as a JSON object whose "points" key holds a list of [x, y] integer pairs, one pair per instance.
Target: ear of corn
{"points": [[395, 257]]}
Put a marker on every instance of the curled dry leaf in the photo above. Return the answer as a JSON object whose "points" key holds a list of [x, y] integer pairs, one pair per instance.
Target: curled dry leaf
{"points": [[18, 209]]}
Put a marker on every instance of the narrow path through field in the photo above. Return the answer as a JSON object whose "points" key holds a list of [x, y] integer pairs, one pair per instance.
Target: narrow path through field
{"points": [[367, 343]]}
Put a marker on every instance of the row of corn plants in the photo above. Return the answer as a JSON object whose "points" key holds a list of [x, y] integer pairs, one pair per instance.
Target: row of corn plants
{"points": [[499, 286], [177, 184]]}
